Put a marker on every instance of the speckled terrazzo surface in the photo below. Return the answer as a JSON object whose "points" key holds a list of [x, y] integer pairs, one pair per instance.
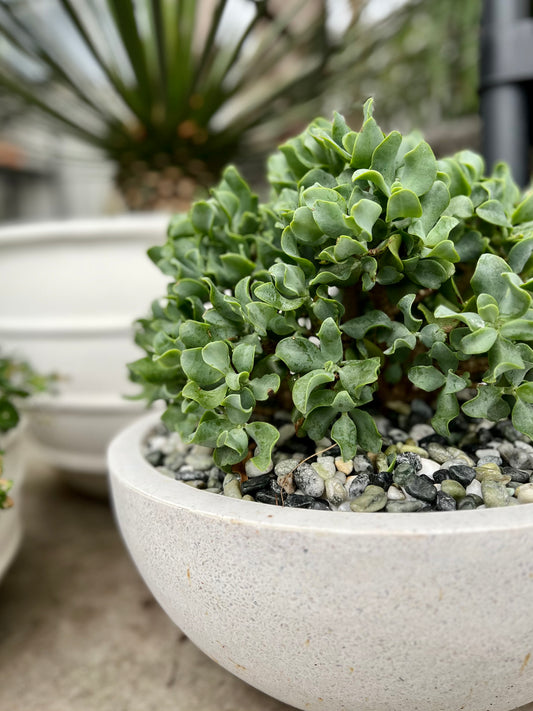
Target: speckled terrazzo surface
{"points": [[325, 614]]}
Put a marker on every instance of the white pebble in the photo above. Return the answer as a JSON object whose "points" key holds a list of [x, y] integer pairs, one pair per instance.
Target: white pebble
{"points": [[345, 506], [524, 494], [418, 432], [474, 488], [429, 467], [251, 470], [395, 494]]}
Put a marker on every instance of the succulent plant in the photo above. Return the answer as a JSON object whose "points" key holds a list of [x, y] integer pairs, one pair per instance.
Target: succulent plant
{"points": [[373, 269], [17, 380]]}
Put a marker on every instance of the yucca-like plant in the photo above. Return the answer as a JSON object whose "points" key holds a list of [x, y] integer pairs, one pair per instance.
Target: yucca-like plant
{"points": [[373, 269], [164, 87]]}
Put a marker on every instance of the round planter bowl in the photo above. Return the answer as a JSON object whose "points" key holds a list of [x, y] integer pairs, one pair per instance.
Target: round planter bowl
{"points": [[12, 445], [333, 611], [74, 289]]}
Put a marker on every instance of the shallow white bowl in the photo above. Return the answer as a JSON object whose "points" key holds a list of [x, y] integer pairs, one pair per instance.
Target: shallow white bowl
{"points": [[337, 611], [70, 292], [14, 462]]}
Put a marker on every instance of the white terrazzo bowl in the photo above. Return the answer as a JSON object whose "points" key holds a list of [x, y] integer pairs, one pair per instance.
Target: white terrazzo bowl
{"points": [[337, 611], [13, 444]]}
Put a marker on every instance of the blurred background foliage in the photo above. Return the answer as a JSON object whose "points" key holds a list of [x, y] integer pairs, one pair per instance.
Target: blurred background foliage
{"points": [[169, 91]]}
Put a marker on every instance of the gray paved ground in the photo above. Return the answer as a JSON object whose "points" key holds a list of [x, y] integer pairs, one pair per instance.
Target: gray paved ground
{"points": [[79, 631]]}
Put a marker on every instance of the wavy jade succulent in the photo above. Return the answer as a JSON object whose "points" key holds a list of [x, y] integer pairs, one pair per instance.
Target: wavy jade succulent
{"points": [[374, 271]]}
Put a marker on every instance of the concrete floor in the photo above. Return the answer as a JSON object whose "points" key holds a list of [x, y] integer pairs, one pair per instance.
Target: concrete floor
{"points": [[79, 631]]}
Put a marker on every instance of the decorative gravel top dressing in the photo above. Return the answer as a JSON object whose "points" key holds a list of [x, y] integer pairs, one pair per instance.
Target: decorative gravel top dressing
{"points": [[481, 465]]}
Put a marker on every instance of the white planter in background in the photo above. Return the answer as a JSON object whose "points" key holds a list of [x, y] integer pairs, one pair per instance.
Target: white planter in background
{"points": [[69, 293], [12, 444], [332, 611]]}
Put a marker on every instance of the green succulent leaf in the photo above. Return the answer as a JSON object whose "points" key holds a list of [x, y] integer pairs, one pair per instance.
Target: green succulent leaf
{"points": [[447, 410], [330, 341], [368, 436], [300, 355], [354, 375], [522, 417], [492, 211], [488, 403], [403, 203], [344, 433], [419, 171], [209, 399], [480, 341], [307, 384], [265, 436], [426, 377]]}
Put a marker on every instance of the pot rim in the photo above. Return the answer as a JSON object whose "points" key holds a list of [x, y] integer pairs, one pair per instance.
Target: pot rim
{"points": [[127, 467], [126, 226]]}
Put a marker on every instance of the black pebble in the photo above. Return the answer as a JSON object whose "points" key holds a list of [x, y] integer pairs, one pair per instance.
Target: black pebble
{"points": [[440, 475], [255, 483], [383, 479], [516, 474], [268, 497], [298, 501], [462, 473], [445, 502], [439, 439], [421, 487]]}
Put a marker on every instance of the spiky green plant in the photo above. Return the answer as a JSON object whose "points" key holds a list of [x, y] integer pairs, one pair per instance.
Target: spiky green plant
{"points": [[163, 86], [373, 266]]}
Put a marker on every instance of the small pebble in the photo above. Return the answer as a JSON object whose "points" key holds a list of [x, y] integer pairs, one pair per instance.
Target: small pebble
{"points": [[429, 467], [494, 493], [445, 502], [441, 475], [524, 494], [357, 484], [401, 473], [407, 506], [462, 473], [371, 500], [381, 478], [252, 471], [335, 492], [516, 474], [344, 467], [421, 487], [438, 452], [395, 494], [453, 488], [325, 467], [309, 481]]}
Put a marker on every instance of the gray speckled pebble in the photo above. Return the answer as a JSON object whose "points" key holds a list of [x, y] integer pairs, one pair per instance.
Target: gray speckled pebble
{"points": [[309, 481]]}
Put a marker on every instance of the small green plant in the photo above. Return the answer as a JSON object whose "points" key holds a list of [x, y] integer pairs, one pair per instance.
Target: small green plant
{"points": [[17, 380], [373, 271]]}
